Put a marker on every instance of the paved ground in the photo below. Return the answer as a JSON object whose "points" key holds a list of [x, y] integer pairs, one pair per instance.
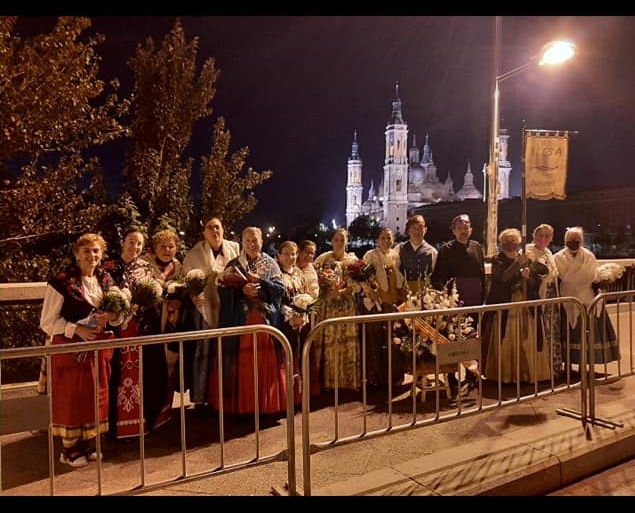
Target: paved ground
{"points": [[618, 480], [485, 453]]}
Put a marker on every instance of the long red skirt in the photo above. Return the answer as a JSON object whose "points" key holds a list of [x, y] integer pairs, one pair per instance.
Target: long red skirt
{"points": [[272, 381], [73, 390], [128, 397]]}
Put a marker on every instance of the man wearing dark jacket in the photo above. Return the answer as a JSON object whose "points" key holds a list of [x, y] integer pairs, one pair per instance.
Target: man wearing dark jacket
{"points": [[462, 260]]}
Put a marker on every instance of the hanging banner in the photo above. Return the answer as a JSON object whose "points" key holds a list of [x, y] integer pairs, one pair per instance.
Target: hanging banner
{"points": [[546, 166]]}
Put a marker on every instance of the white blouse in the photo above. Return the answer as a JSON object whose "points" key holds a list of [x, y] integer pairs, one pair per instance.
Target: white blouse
{"points": [[51, 321]]}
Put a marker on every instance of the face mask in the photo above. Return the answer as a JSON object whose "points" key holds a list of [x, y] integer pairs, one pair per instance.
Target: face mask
{"points": [[573, 245]]}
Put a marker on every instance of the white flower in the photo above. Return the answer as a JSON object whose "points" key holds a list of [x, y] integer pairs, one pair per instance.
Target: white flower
{"points": [[302, 301], [194, 274], [610, 272]]}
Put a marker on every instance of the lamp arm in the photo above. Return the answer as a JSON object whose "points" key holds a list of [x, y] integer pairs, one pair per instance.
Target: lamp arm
{"points": [[516, 70]]}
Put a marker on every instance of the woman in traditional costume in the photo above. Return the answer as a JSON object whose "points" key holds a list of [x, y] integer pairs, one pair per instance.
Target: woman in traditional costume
{"points": [[250, 291], [336, 348], [381, 296], [70, 313], [510, 279], [131, 271], [578, 270], [201, 311]]}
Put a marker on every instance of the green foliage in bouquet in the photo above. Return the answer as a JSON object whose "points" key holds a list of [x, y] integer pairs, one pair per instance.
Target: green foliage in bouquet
{"points": [[117, 301]]}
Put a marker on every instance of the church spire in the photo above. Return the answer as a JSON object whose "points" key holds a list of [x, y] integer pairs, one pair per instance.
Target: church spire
{"points": [[397, 117], [371, 191], [469, 177], [355, 147], [427, 156]]}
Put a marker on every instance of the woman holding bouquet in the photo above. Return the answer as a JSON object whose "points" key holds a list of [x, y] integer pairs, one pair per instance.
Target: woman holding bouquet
{"points": [[549, 320], [382, 294], [250, 291], [578, 270], [201, 306], [131, 271], [71, 314], [296, 302], [336, 351], [517, 340]]}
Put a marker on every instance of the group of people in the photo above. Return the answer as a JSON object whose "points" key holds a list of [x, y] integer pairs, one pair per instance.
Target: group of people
{"points": [[245, 286]]}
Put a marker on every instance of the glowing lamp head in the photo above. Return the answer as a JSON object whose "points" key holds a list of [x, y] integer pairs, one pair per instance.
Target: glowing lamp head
{"points": [[557, 52]]}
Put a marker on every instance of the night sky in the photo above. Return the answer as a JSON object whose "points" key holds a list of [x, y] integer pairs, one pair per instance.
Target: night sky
{"points": [[294, 89]]}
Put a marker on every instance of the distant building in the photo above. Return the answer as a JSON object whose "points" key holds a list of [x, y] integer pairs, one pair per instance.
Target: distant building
{"points": [[409, 181]]}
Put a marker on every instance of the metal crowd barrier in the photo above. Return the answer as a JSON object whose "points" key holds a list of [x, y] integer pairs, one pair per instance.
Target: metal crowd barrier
{"points": [[600, 339], [445, 355], [287, 453]]}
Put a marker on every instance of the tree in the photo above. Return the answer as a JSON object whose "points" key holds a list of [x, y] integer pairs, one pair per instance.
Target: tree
{"points": [[226, 187], [169, 98], [52, 108], [364, 229]]}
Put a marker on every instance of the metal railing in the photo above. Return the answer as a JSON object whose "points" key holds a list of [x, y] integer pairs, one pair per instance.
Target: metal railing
{"points": [[288, 453], [604, 339], [462, 350]]}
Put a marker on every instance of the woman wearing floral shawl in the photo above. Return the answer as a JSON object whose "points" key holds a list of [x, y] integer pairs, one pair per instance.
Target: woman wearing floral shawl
{"points": [[578, 270], [131, 271], [250, 291], [296, 303], [70, 313]]}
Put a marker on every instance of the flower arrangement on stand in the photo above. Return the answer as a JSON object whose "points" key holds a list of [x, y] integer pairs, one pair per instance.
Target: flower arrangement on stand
{"points": [[421, 334]]}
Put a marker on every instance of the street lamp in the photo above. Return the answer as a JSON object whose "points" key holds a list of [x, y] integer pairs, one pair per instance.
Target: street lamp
{"points": [[553, 53]]}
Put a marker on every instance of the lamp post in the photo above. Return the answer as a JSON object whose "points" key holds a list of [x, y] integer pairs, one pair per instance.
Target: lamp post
{"points": [[554, 52]]}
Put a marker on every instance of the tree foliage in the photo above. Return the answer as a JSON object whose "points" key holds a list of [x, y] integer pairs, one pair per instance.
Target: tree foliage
{"points": [[364, 229], [170, 96], [49, 89], [52, 108], [227, 188]]}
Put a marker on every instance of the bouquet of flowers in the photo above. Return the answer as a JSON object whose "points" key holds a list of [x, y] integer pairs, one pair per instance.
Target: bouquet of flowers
{"points": [[301, 305], [360, 271], [117, 301], [195, 281], [609, 272], [328, 280], [146, 292]]}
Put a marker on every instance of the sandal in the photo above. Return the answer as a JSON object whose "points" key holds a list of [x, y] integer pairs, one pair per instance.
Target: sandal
{"points": [[73, 457]]}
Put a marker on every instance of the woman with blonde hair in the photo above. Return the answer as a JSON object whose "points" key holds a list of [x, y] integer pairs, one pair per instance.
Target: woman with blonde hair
{"points": [[549, 318], [510, 279], [336, 349], [71, 313]]}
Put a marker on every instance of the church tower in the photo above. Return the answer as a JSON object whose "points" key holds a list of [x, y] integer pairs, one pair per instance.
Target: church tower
{"points": [[354, 184], [396, 169], [504, 167]]}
